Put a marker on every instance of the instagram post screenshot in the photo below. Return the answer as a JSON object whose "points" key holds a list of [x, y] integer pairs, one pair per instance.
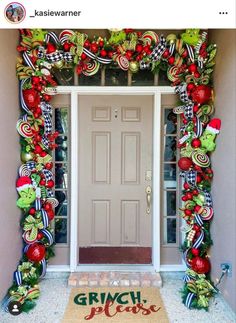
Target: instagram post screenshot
{"points": [[118, 158]]}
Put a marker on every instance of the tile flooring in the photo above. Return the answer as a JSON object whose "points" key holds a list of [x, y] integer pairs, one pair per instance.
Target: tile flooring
{"points": [[113, 278]]}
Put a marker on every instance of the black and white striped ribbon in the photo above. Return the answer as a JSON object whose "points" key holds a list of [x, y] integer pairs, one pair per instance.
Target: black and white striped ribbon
{"points": [[190, 52], [28, 61], [53, 36]]}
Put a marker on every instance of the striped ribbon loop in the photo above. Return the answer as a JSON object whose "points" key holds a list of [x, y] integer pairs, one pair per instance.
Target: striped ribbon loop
{"points": [[22, 101], [198, 219], [172, 49], [28, 60], [38, 204], [198, 128], [199, 240], [54, 37], [17, 276], [44, 268], [184, 138], [26, 247], [48, 235], [189, 299], [190, 52], [200, 63], [104, 60], [187, 278], [89, 54], [45, 218], [185, 258], [99, 59]]}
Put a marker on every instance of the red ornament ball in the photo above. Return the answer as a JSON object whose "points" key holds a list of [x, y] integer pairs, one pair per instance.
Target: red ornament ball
{"points": [[192, 68], [94, 48], [83, 56], [200, 265], [50, 214], [39, 236], [199, 178], [196, 227], [186, 186], [189, 196], [171, 60], [50, 48], [32, 211], [36, 252], [50, 184], [166, 53], [31, 98], [35, 79], [47, 206], [37, 149], [190, 86], [195, 251], [103, 53], [139, 48], [185, 163], [187, 212], [201, 94], [197, 208], [196, 143], [42, 182], [49, 166]]}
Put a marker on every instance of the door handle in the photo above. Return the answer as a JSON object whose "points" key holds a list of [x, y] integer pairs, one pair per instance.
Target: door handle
{"points": [[148, 197]]}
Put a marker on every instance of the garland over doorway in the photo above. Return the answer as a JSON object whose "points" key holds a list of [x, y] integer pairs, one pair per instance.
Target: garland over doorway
{"points": [[188, 60]]}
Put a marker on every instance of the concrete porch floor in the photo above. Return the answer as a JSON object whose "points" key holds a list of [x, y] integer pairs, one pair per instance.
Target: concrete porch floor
{"points": [[55, 293]]}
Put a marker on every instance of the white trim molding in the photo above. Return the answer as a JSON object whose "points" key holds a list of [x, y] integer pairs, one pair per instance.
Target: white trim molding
{"points": [[75, 91]]}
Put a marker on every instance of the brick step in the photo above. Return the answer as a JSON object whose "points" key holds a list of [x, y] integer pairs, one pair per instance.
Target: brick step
{"points": [[114, 279]]}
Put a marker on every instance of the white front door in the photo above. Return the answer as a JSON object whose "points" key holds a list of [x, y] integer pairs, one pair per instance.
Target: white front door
{"points": [[115, 173]]}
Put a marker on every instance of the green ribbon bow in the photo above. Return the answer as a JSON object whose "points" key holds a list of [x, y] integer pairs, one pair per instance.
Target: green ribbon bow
{"points": [[32, 225], [28, 270]]}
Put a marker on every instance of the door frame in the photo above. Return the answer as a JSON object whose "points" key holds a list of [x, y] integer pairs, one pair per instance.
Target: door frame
{"points": [[156, 92]]}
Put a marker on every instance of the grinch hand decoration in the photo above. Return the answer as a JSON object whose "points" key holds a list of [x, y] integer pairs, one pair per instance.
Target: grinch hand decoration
{"points": [[209, 135], [26, 191]]}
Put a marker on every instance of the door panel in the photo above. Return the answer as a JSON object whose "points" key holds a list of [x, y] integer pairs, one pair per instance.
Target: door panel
{"points": [[115, 156]]}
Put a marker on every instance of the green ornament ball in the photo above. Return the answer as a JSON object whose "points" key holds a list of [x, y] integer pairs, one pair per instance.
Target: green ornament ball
{"points": [[26, 156], [134, 67]]}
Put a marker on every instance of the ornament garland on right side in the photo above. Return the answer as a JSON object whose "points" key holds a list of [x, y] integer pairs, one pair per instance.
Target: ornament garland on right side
{"points": [[197, 141]]}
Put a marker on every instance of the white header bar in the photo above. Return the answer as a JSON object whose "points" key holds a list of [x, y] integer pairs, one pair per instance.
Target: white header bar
{"points": [[151, 14]]}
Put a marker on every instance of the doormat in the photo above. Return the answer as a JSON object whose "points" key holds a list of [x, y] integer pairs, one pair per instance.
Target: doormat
{"points": [[116, 305]]}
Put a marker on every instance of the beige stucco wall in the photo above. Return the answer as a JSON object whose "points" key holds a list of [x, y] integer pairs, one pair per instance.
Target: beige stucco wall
{"points": [[223, 162], [10, 240]]}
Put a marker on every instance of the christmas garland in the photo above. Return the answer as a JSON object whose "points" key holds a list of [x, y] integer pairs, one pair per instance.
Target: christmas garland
{"points": [[188, 62]]}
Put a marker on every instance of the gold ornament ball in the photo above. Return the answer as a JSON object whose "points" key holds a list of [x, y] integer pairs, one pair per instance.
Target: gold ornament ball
{"points": [[171, 38], [26, 156], [59, 64], [134, 67]]}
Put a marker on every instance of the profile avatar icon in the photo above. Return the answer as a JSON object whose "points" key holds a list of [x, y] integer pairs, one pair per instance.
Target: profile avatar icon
{"points": [[15, 12], [14, 308]]}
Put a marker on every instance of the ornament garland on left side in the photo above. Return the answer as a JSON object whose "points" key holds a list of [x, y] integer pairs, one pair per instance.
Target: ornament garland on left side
{"points": [[35, 182]]}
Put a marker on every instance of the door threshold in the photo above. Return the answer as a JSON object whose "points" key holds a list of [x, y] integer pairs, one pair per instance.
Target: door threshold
{"points": [[118, 268], [115, 279]]}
